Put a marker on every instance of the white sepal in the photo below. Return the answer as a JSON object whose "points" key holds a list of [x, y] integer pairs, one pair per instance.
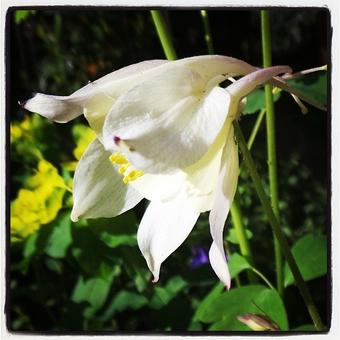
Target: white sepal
{"points": [[224, 195], [163, 228], [98, 189]]}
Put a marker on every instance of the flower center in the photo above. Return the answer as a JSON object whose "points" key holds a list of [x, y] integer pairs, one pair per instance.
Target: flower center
{"points": [[125, 168]]}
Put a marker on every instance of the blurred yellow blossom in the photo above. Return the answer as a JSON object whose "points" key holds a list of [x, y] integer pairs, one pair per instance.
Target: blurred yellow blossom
{"points": [[38, 203], [83, 136]]}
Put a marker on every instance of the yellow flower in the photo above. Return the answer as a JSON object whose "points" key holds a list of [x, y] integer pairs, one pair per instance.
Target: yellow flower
{"points": [[39, 203], [83, 136]]}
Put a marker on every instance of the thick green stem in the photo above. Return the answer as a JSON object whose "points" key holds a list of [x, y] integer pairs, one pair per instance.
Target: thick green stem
{"points": [[313, 312], [163, 35], [207, 32], [271, 144]]}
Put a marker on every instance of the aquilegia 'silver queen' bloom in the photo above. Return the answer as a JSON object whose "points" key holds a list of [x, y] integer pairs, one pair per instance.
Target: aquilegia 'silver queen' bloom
{"points": [[164, 132]]}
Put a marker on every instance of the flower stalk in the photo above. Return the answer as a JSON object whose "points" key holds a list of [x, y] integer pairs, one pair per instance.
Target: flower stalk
{"points": [[271, 144], [207, 31], [304, 291], [163, 35]]}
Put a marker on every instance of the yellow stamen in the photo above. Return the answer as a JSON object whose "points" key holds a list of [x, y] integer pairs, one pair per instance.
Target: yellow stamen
{"points": [[118, 158], [124, 164], [123, 168], [132, 176]]}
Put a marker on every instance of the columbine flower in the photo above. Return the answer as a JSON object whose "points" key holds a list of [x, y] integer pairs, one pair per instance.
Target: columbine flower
{"points": [[164, 132]]}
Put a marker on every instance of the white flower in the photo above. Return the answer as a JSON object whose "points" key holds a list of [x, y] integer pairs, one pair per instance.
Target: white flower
{"points": [[164, 133]]}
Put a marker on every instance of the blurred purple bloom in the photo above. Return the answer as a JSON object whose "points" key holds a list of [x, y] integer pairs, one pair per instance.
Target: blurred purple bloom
{"points": [[200, 257]]}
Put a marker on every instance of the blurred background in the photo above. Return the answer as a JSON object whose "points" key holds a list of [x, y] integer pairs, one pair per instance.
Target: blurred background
{"points": [[90, 276]]}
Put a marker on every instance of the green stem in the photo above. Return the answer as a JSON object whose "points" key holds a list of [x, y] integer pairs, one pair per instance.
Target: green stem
{"points": [[256, 128], [307, 298], [207, 32], [271, 144], [163, 35], [235, 209], [262, 277], [240, 232], [241, 236]]}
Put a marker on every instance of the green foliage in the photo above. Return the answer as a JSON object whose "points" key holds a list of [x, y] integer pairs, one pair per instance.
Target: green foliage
{"points": [[95, 290], [237, 264], [312, 86], [163, 295], [222, 311], [231, 237], [60, 238], [207, 301], [310, 253], [256, 102]]}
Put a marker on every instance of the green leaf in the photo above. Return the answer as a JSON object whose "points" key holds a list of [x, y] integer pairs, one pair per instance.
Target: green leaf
{"points": [[94, 291], [122, 301], [163, 295], [214, 293], [256, 101], [233, 238], [54, 265], [313, 86], [237, 264], [60, 238], [310, 253], [223, 310], [114, 241], [30, 246]]}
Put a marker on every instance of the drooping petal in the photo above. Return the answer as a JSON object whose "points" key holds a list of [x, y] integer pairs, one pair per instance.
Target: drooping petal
{"points": [[224, 195], [98, 189], [242, 87], [166, 122], [163, 229], [95, 98]]}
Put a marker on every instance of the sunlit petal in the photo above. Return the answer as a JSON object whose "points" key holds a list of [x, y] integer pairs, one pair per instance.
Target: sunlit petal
{"points": [[224, 196], [165, 124], [163, 229], [96, 98], [98, 189]]}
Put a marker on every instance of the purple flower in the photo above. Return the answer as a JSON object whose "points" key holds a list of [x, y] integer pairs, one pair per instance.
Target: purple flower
{"points": [[200, 257]]}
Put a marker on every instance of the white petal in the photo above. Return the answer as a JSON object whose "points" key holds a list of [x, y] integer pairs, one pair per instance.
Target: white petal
{"points": [[160, 187], [224, 196], [204, 174], [61, 109], [98, 189], [163, 229], [166, 122], [248, 83], [95, 98], [210, 66]]}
